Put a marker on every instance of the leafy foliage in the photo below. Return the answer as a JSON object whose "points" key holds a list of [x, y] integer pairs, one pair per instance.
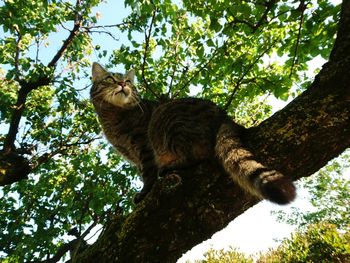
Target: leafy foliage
{"points": [[221, 50], [230, 255], [320, 243]]}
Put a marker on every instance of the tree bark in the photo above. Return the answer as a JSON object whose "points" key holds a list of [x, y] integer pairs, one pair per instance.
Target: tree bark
{"points": [[180, 212]]}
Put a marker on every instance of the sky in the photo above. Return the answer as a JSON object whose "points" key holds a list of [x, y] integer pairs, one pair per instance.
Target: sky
{"points": [[251, 232]]}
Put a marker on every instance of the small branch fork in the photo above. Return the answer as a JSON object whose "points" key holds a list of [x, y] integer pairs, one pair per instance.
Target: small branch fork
{"points": [[245, 73], [201, 67]]}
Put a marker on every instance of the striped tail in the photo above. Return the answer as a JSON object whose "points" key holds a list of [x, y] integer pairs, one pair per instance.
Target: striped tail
{"points": [[251, 175]]}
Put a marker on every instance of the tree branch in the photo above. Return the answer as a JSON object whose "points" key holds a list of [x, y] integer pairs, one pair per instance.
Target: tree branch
{"points": [[239, 81], [145, 54], [13, 168], [269, 5], [72, 246], [263, 19], [88, 28], [301, 8], [174, 68], [80, 240], [69, 40], [201, 67], [17, 53]]}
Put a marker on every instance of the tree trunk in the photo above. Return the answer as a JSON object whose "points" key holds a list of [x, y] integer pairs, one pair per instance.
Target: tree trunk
{"points": [[298, 140]]}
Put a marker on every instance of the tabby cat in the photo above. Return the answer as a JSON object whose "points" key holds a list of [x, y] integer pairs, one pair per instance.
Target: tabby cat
{"points": [[166, 136]]}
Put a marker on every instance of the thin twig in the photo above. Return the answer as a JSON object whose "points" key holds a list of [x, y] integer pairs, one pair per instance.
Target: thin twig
{"points": [[37, 40], [92, 29], [107, 26], [60, 150], [269, 5], [81, 239], [103, 32], [201, 67], [147, 40], [301, 8], [18, 42], [263, 19], [174, 68], [245, 73], [70, 246]]}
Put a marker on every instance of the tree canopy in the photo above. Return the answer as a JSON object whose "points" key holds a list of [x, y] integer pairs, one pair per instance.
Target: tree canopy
{"points": [[60, 178]]}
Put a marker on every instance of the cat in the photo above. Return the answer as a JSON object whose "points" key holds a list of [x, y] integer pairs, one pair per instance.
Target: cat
{"points": [[165, 136]]}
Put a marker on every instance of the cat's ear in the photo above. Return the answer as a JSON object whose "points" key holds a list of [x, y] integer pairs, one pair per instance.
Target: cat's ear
{"points": [[97, 71], [130, 75]]}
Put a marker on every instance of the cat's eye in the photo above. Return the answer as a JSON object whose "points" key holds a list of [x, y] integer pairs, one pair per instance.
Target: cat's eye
{"points": [[110, 79]]}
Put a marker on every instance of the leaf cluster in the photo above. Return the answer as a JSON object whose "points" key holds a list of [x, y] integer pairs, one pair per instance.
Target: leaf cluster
{"points": [[319, 243]]}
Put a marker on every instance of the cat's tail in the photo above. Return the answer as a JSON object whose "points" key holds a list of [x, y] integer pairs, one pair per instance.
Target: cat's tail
{"points": [[251, 175]]}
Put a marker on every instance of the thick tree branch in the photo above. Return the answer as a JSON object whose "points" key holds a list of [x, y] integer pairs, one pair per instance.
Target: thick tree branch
{"points": [[18, 109], [342, 42], [298, 140], [13, 168], [17, 53], [73, 33]]}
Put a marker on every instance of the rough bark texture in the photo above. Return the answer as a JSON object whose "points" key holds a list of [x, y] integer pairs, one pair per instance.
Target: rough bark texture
{"points": [[181, 212]]}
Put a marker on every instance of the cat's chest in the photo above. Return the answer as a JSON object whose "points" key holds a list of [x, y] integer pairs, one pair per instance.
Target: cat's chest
{"points": [[128, 134]]}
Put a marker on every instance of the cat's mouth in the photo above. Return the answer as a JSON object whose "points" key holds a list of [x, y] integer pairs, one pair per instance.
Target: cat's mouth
{"points": [[122, 90], [119, 96]]}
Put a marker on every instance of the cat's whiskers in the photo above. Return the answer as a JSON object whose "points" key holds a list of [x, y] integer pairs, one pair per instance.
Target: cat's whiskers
{"points": [[137, 100]]}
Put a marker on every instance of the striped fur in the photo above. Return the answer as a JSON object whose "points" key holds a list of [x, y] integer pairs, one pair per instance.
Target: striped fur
{"points": [[178, 133]]}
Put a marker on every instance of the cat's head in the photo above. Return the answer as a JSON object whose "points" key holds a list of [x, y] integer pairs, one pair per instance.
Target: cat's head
{"points": [[114, 88]]}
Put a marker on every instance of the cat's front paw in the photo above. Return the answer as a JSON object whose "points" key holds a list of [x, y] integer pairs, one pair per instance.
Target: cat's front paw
{"points": [[139, 197], [147, 187]]}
